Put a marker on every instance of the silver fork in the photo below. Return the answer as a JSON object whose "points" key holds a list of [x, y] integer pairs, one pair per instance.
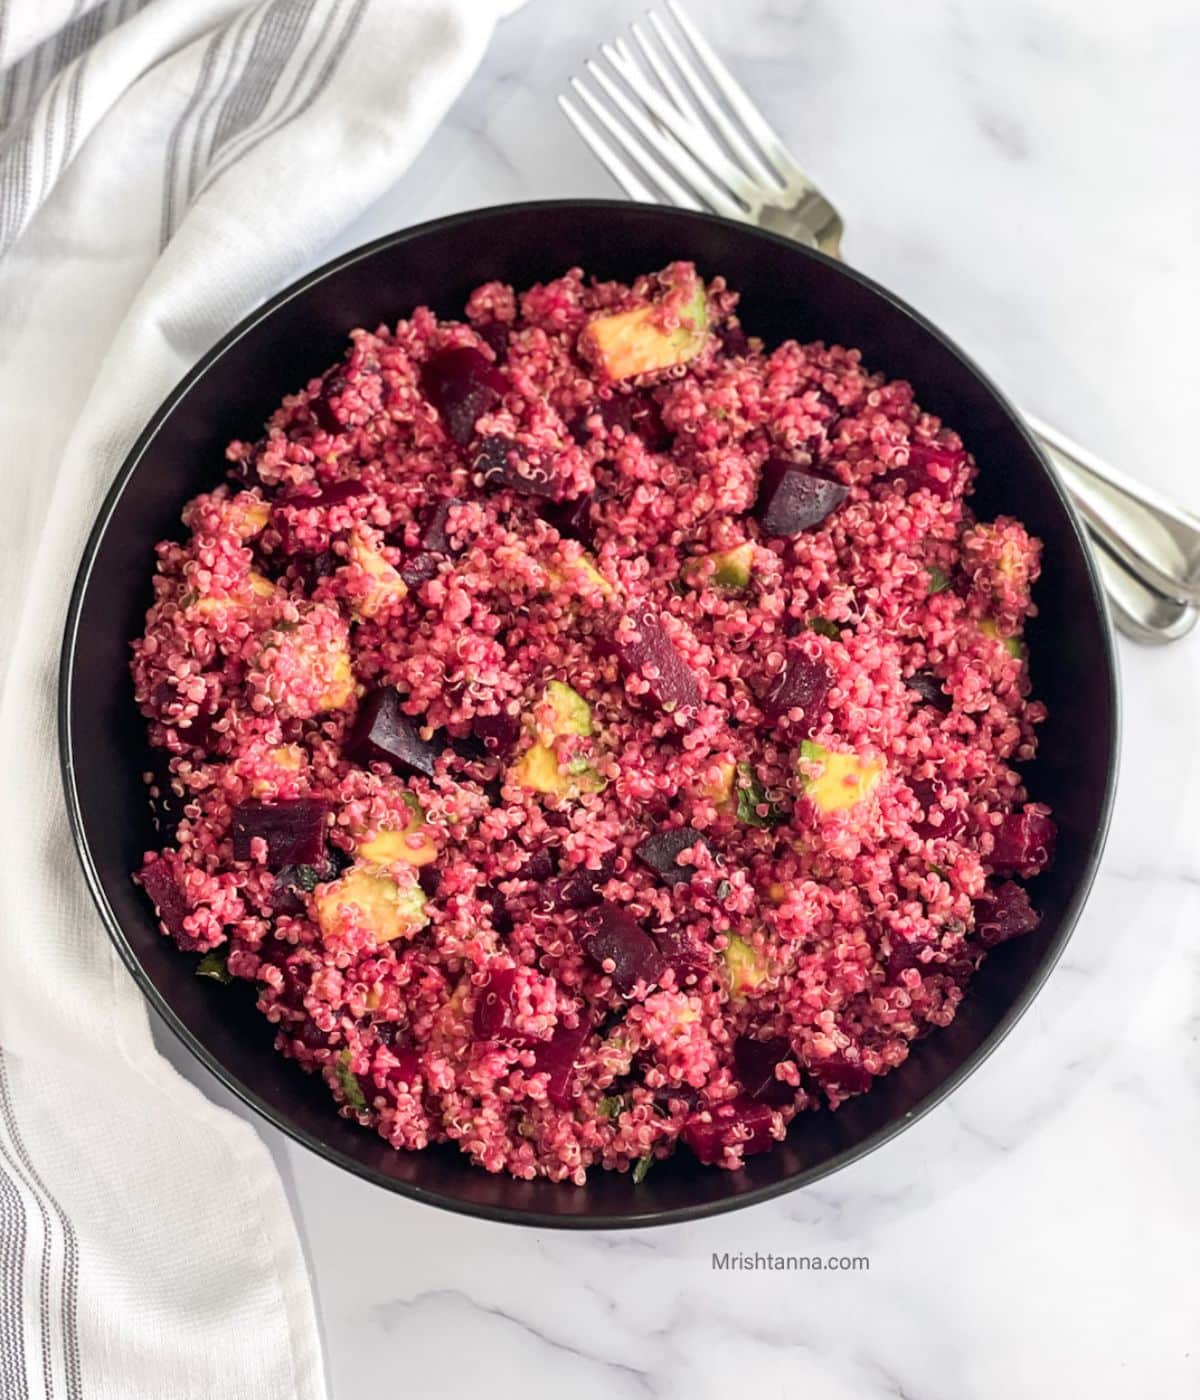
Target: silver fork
{"points": [[678, 128]]}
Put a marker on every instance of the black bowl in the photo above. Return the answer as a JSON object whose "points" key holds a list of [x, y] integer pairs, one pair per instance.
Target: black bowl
{"points": [[787, 291]]}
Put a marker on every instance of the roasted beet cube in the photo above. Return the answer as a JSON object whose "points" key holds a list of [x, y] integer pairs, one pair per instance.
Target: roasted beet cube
{"points": [[755, 1062], [1004, 913], [939, 819], [738, 1122], [1024, 842], [462, 384], [336, 493], [419, 568], [573, 518], [637, 412], [792, 498], [312, 568], [843, 1076], [494, 335], [575, 889], [294, 830], [557, 1056], [495, 1008], [802, 684], [928, 688], [168, 899], [935, 469], [434, 536], [733, 339], [498, 732], [682, 952], [504, 464], [644, 650], [323, 408], [383, 733], [612, 934], [404, 1075], [660, 853]]}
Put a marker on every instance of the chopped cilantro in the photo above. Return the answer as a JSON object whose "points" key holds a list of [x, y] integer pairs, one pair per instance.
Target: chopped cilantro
{"points": [[611, 1106], [641, 1167], [939, 580], [823, 627], [349, 1082], [751, 795], [214, 965], [723, 889]]}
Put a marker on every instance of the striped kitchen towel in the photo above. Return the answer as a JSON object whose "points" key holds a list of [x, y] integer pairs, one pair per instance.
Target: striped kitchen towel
{"points": [[164, 166]]}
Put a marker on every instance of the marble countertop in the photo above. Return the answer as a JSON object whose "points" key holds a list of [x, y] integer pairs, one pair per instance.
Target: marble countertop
{"points": [[1022, 172]]}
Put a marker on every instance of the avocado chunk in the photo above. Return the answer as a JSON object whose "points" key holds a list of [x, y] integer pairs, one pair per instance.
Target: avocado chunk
{"points": [[1012, 645], [745, 964], [841, 781], [636, 342], [731, 569], [563, 713], [391, 844], [374, 899]]}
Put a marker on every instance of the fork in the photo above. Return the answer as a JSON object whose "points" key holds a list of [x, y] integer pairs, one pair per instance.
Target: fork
{"points": [[679, 128]]}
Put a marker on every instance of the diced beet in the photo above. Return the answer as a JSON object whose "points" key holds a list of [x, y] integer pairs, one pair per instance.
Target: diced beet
{"points": [[312, 568], [557, 1057], [952, 822], [738, 1121], [419, 568], [681, 952], [802, 684], [755, 1062], [928, 688], [613, 934], [660, 853], [902, 956], [429, 877], [643, 649], [666, 1094], [1023, 840], [324, 413], [791, 498], [462, 384], [573, 518], [383, 733], [637, 412], [405, 1073], [434, 536], [294, 830], [936, 469], [494, 335], [1004, 913], [495, 1008], [498, 732], [336, 493], [843, 1075], [539, 866], [502, 464], [733, 340], [166, 896], [502, 919], [576, 889]]}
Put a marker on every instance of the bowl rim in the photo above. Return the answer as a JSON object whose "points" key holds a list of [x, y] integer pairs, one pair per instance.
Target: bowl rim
{"points": [[504, 1214]]}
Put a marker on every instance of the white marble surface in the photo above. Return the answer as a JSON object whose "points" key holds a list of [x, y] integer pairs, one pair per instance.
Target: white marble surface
{"points": [[1024, 172]]}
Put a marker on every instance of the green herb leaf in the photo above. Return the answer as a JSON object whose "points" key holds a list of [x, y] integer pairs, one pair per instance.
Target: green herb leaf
{"points": [[306, 877], [349, 1082], [824, 628], [611, 1106], [214, 965], [641, 1167], [939, 580], [723, 889], [751, 795]]}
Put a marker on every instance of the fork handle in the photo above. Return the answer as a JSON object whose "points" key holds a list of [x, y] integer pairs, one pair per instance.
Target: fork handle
{"points": [[1157, 539]]}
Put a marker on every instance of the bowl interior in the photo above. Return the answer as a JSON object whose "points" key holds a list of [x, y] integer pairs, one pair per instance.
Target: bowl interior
{"points": [[786, 292]]}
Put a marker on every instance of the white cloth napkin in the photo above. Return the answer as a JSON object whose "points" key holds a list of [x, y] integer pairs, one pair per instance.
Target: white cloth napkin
{"points": [[164, 165]]}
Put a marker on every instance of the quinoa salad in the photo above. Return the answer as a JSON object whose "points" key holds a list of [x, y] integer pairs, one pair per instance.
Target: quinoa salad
{"points": [[591, 733]]}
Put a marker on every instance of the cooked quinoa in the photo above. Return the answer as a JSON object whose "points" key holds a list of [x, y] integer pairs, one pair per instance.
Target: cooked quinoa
{"points": [[592, 733]]}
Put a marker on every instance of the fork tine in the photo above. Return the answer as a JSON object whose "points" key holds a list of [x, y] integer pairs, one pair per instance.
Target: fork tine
{"points": [[693, 137], [667, 182], [604, 153], [664, 142], [733, 92], [662, 71], [716, 113]]}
